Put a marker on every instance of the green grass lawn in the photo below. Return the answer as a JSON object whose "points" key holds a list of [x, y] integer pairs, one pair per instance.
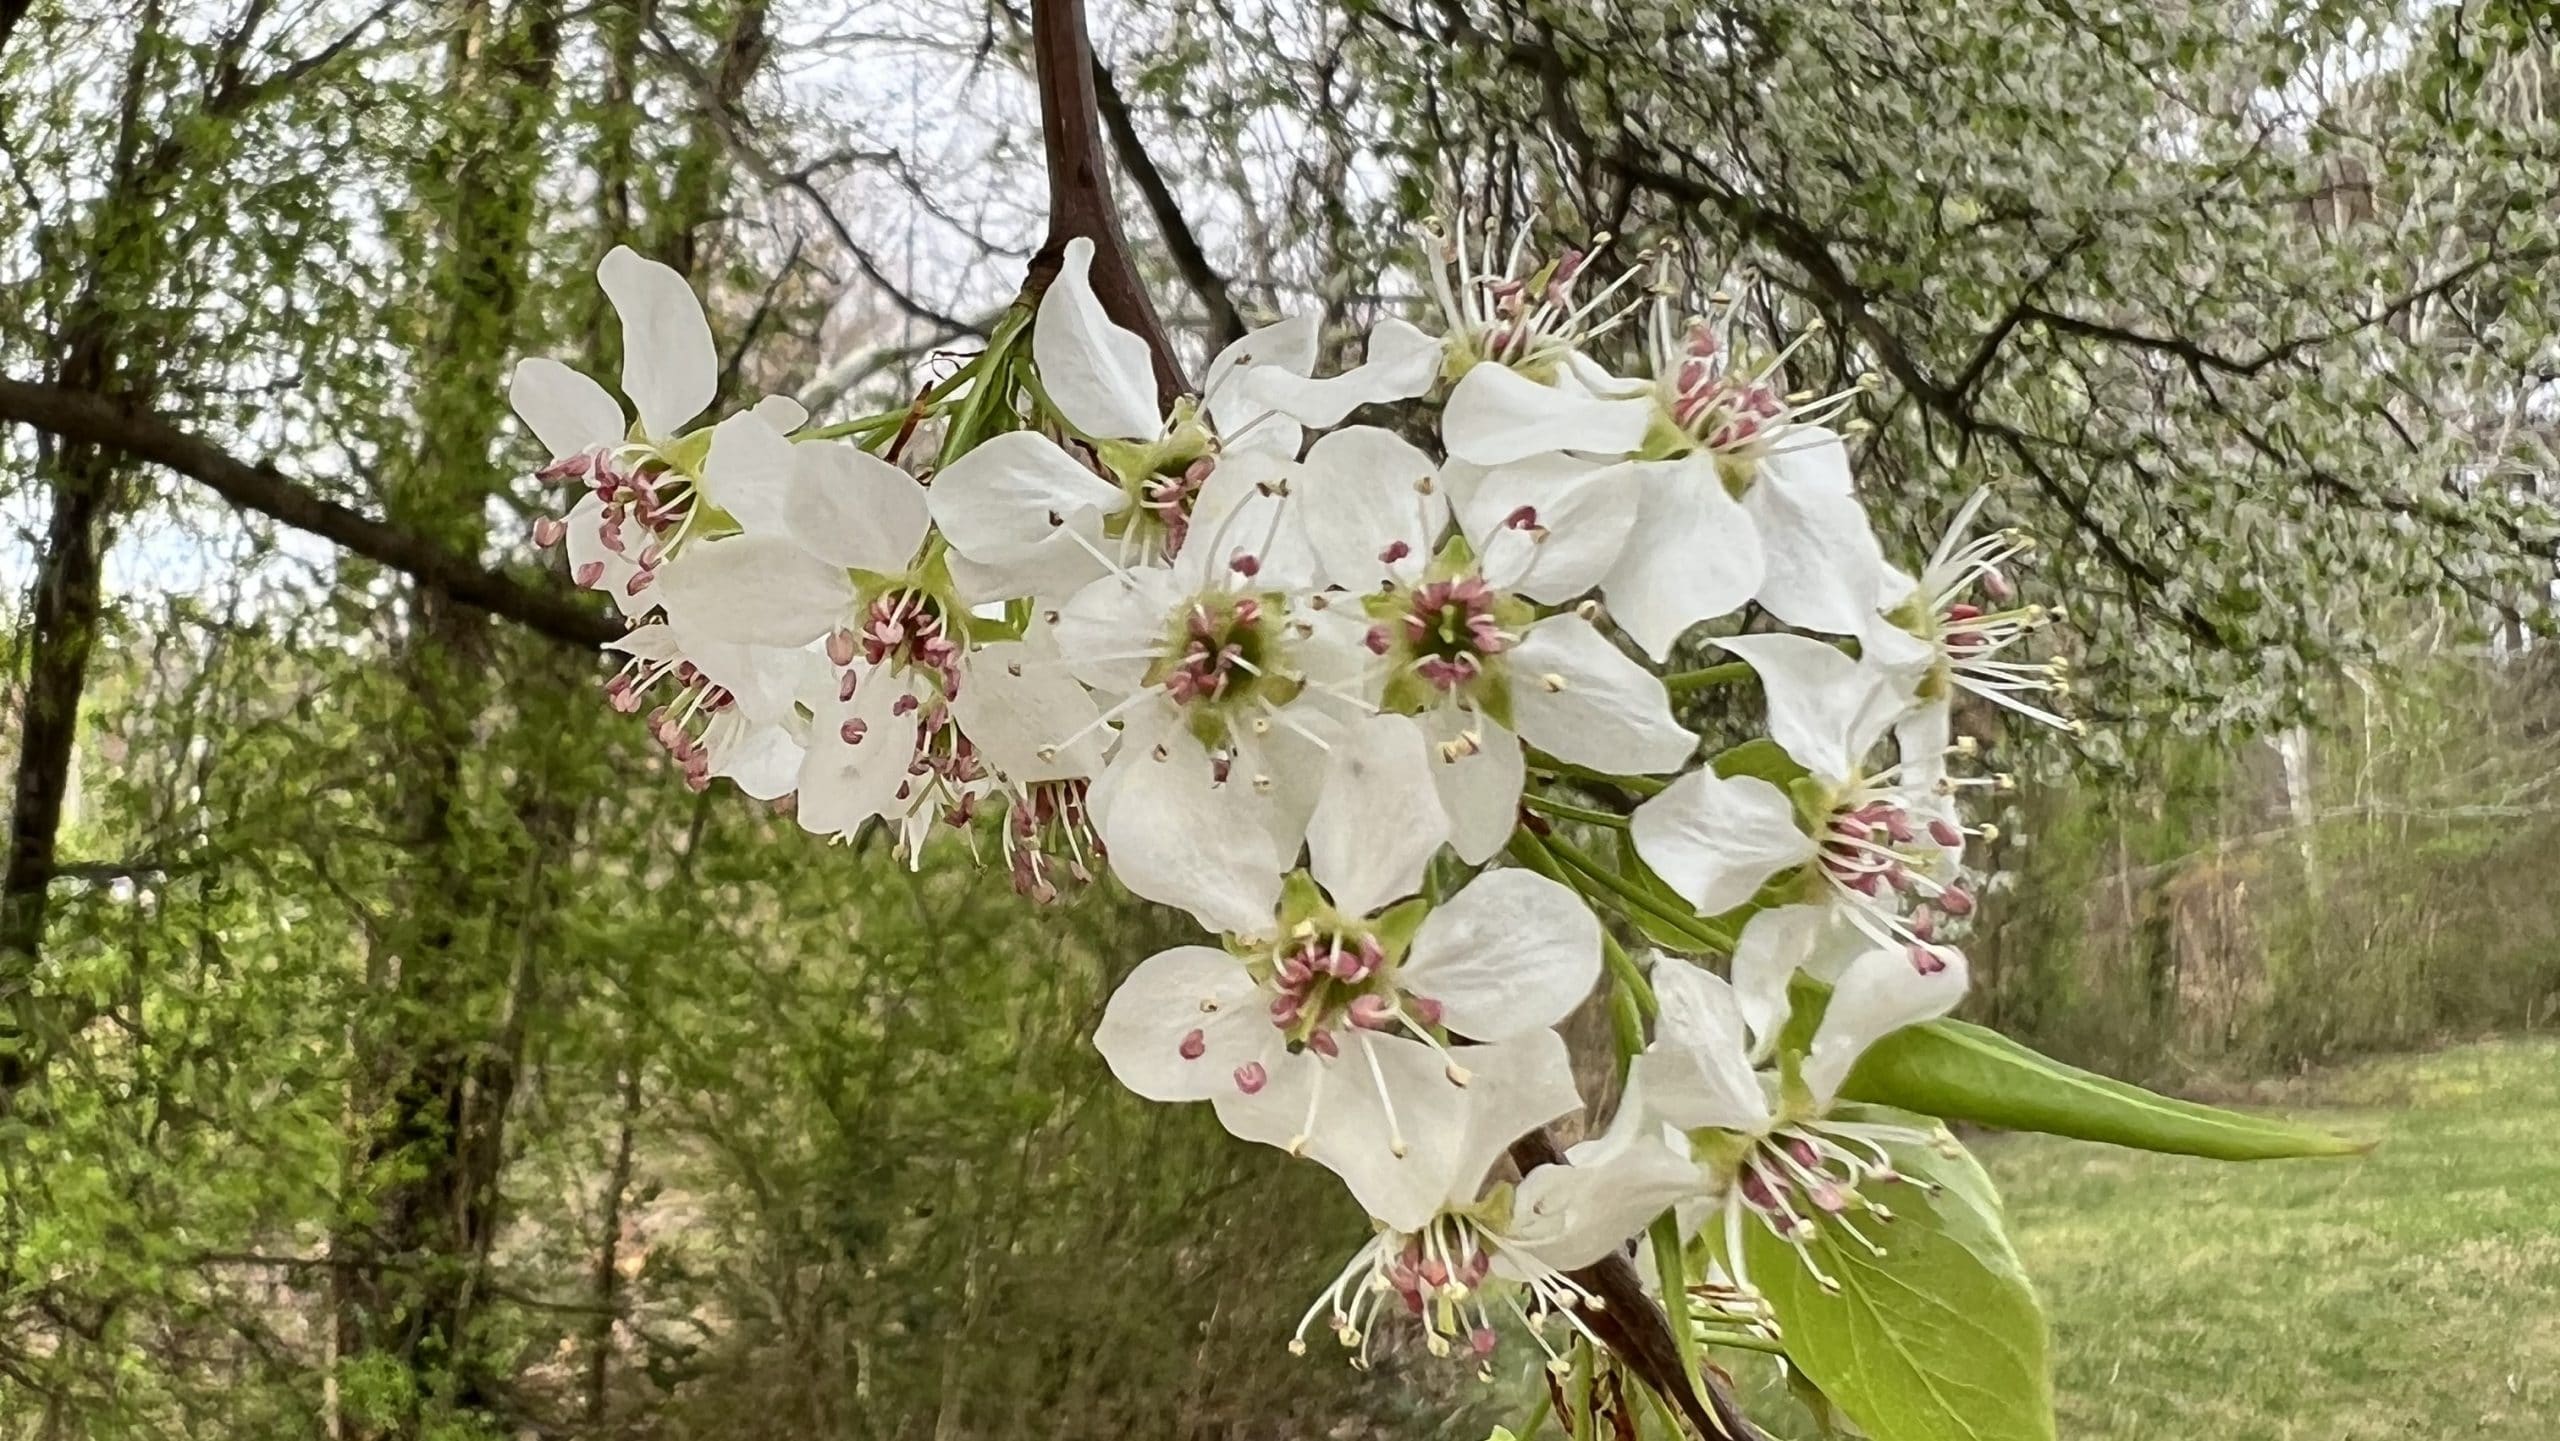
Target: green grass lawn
{"points": [[2412, 1293]]}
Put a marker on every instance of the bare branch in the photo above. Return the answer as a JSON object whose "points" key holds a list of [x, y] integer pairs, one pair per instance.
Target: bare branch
{"points": [[1080, 203], [81, 416], [1225, 325]]}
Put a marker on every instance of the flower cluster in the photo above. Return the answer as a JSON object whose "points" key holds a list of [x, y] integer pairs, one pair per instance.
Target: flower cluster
{"points": [[1346, 699]]}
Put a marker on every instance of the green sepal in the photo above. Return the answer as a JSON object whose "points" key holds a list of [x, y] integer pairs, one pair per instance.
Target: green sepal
{"points": [[686, 453], [1300, 899], [1963, 1072], [1807, 999], [1395, 925], [1761, 758]]}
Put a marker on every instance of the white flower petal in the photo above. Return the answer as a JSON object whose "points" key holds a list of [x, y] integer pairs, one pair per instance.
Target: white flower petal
{"points": [[782, 413], [855, 510], [1548, 527], [1377, 820], [1176, 837], [1285, 347], [1906, 658], [1480, 786], [1362, 490], [748, 473], [1693, 555], [754, 590], [1244, 508], [1013, 492], [764, 761], [1777, 943], [1514, 1087], [1826, 708], [1824, 567], [1100, 376], [1497, 415], [1507, 955], [1112, 631], [859, 754], [1401, 1170], [1570, 1216], [611, 569], [1402, 363], [568, 412], [1014, 719], [1922, 739], [1880, 993], [669, 366], [1050, 571], [1716, 841], [1189, 998], [1581, 699], [1288, 765], [1698, 1070]]}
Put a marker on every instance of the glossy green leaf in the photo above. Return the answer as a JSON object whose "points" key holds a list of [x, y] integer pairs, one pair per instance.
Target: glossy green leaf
{"points": [[1933, 1333], [1963, 1072]]}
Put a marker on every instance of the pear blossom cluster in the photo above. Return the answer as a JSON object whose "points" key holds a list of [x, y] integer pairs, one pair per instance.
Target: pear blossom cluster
{"points": [[1342, 691]]}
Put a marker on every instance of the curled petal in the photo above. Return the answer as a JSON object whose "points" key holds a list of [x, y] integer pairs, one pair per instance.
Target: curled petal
{"points": [[1826, 708], [748, 472], [1099, 375], [1880, 993], [1497, 415], [1402, 363], [670, 368], [567, 411]]}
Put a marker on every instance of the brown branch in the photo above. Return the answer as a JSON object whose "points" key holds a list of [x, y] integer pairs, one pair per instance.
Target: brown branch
{"points": [[1635, 1330], [87, 418], [1180, 243], [1080, 203]]}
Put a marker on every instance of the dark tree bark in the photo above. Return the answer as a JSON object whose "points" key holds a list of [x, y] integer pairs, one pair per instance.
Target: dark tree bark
{"points": [[439, 1061], [1080, 202], [101, 423], [67, 603]]}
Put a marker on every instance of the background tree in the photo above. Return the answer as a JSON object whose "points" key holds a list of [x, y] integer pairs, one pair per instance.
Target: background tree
{"points": [[389, 1047]]}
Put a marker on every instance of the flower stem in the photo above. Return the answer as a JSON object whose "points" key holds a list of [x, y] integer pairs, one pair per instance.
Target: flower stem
{"points": [[1671, 1263], [1730, 673], [1632, 899], [1566, 810], [1641, 785]]}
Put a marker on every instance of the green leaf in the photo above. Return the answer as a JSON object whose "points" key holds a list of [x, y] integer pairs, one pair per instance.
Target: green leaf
{"points": [[1963, 1072], [1938, 1338]]}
